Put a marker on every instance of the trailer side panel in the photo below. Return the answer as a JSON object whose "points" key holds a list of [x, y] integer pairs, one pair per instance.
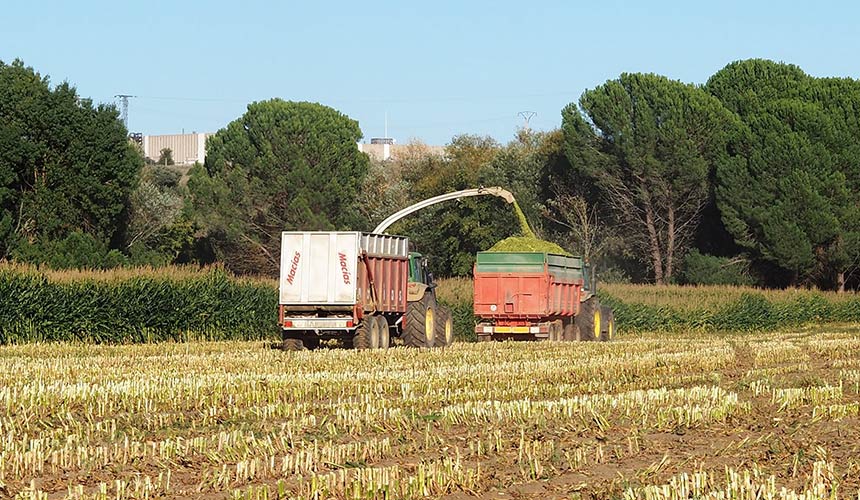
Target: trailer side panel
{"points": [[520, 287]]}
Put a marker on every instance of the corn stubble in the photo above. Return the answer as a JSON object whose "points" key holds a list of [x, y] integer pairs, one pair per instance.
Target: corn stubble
{"points": [[656, 416]]}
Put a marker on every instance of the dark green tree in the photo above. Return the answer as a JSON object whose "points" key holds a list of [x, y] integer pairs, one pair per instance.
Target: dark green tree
{"points": [[649, 144], [450, 234], [280, 166], [159, 228], [165, 157], [790, 193], [66, 166]]}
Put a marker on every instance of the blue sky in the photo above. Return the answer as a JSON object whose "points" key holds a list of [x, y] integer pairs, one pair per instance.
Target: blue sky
{"points": [[437, 68]]}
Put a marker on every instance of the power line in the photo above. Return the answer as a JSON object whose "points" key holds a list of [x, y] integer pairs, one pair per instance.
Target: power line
{"points": [[400, 100]]}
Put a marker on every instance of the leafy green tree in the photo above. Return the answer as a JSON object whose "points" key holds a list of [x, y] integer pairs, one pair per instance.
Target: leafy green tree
{"points": [[789, 194], [701, 269], [165, 157], [450, 234], [163, 177], [519, 167], [383, 193], [66, 166], [649, 144], [159, 227], [280, 166], [77, 250]]}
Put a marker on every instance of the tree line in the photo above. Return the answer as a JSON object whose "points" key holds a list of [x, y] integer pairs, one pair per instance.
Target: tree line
{"points": [[751, 178]]}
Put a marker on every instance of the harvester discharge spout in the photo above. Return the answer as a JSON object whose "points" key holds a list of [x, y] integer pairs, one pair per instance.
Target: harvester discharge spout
{"points": [[481, 191]]}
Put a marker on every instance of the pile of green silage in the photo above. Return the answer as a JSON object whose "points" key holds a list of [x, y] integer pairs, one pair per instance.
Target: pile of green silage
{"points": [[526, 241], [526, 244]]}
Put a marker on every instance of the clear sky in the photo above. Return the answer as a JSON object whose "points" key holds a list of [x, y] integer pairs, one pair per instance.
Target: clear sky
{"points": [[436, 68]]}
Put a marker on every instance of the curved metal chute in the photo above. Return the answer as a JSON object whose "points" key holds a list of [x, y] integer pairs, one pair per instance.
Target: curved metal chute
{"points": [[481, 191]]}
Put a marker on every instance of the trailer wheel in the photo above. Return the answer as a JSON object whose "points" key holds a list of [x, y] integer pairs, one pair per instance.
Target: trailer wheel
{"points": [[363, 337], [311, 341], [444, 328], [292, 344], [420, 328], [608, 331], [384, 332], [589, 320], [556, 331], [572, 332]]}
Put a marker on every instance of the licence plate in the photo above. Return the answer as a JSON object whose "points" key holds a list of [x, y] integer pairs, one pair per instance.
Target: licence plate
{"points": [[319, 323]]}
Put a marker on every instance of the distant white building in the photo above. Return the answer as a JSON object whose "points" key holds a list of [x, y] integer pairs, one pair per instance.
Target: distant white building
{"points": [[190, 148], [384, 149], [186, 148]]}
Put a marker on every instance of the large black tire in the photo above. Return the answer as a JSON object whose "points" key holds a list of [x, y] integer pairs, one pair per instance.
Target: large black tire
{"points": [[293, 344], [607, 331], [420, 327], [589, 320], [444, 327], [384, 332], [571, 332], [363, 336], [311, 341], [556, 331]]}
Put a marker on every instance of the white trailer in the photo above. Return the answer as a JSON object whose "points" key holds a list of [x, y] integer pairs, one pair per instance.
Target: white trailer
{"points": [[349, 285]]}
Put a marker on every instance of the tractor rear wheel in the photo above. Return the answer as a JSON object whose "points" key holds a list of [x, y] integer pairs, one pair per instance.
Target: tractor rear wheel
{"points": [[589, 320], [444, 328], [608, 327], [420, 328]]}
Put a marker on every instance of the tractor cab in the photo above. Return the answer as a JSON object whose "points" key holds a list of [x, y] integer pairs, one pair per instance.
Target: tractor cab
{"points": [[418, 272]]}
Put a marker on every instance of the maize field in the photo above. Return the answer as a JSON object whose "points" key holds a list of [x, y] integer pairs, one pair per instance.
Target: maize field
{"points": [[650, 416], [134, 305], [673, 308], [180, 304]]}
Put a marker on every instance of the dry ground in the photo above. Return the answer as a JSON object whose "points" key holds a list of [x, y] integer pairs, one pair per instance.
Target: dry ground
{"points": [[675, 416]]}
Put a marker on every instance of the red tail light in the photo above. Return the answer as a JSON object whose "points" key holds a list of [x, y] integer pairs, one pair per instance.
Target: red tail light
{"points": [[349, 324], [288, 324]]}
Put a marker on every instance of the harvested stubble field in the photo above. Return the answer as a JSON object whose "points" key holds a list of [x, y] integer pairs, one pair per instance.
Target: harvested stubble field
{"points": [[656, 416]]}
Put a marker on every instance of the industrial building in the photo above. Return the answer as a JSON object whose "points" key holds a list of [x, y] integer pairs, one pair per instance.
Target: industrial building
{"points": [[186, 148], [190, 148], [384, 149]]}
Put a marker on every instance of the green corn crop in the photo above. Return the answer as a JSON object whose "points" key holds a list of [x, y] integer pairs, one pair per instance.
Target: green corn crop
{"points": [[128, 306]]}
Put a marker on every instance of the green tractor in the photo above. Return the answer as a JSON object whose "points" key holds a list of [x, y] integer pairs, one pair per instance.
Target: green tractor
{"points": [[426, 323]]}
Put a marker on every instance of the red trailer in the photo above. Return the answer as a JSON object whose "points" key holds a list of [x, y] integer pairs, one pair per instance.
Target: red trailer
{"points": [[535, 295]]}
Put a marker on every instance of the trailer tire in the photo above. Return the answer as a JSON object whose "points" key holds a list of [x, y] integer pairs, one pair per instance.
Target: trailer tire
{"points": [[444, 327], [311, 341], [362, 339], [556, 331], [589, 320], [384, 332], [420, 328], [293, 344], [608, 327], [572, 332]]}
